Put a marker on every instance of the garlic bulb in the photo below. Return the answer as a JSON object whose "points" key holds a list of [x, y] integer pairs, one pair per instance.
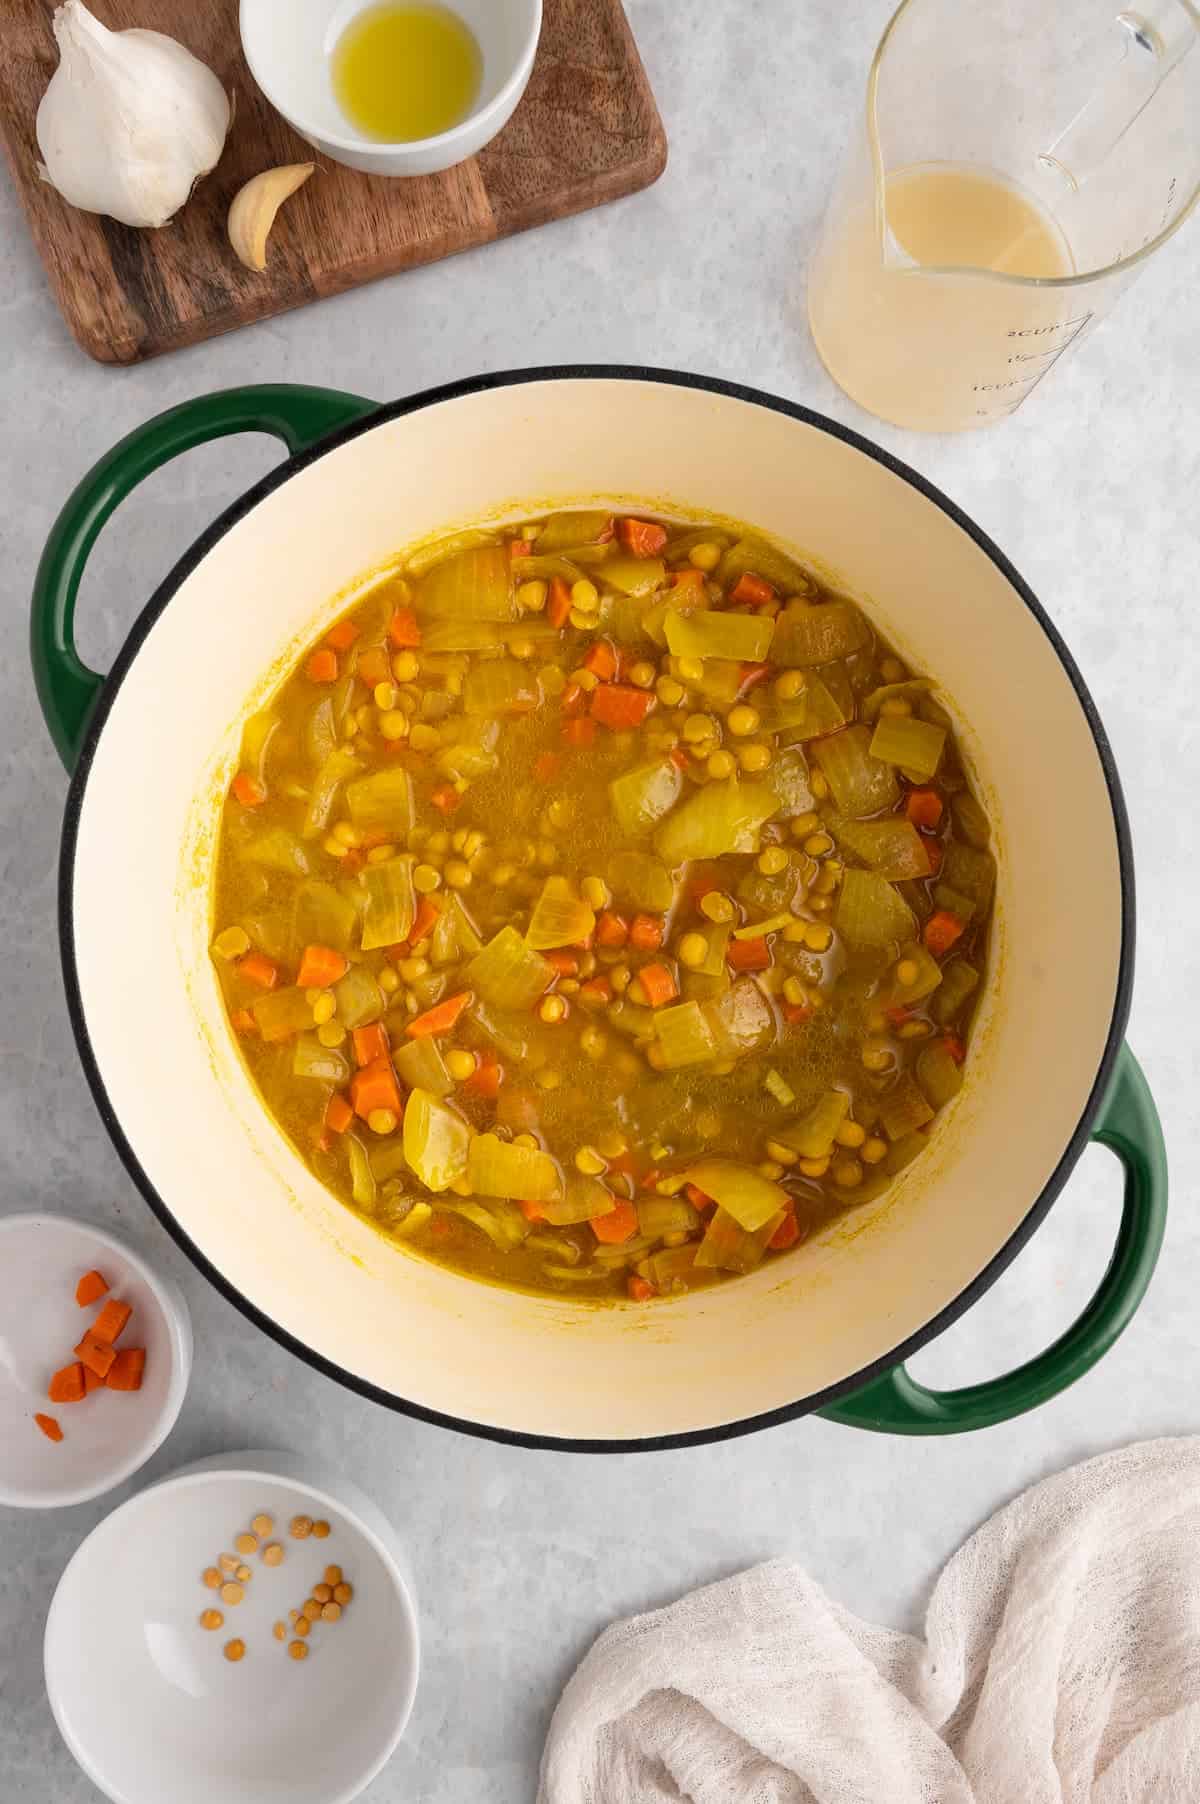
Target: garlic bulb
{"points": [[130, 122]]}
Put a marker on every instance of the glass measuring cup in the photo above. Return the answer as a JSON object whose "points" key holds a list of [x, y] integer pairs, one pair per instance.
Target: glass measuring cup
{"points": [[1015, 168]]}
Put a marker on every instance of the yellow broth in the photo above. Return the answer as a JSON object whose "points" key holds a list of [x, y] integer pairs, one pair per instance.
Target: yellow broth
{"points": [[602, 906]]}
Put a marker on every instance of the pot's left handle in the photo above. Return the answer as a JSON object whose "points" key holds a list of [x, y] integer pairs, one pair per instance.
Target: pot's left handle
{"points": [[67, 689]]}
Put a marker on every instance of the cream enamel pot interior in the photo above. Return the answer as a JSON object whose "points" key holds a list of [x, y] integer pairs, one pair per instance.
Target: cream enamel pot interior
{"points": [[154, 746]]}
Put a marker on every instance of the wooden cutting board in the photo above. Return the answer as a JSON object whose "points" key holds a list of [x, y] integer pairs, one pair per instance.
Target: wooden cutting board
{"points": [[587, 131]]}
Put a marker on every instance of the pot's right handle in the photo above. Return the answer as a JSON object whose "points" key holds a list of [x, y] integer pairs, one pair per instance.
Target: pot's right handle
{"points": [[67, 689], [1127, 1122]]}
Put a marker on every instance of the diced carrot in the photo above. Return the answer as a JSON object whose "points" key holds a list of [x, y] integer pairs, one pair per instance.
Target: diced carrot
{"points": [[320, 968], [786, 1234], [620, 706], [48, 1426], [248, 790], [679, 757], [640, 1289], [109, 1325], [658, 983], [898, 1015], [243, 1022], [641, 537], [699, 1199], [342, 636], [485, 1080], [687, 579], [546, 766], [796, 1012], [258, 970], [941, 931], [579, 733], [933, 851], [618, 1225], [90, 1288], [572, 700], [373, 666], [370, 1042], [923, 807], [442, 1018], [649, 1179], [747, 955], [66, 1386], [322, 667], [611, 929], [622, 1162], [375, 1087], [446, 798], [565, 963], [601, 661], [752, 674], [558, 607], [532, 1211], [700, 887], [92, 1381], [646, 933], [955, 1047], [338, 1114], [404, 630], [596, 989], [95, 1355], [440, 1226], [424, 921], [127, 1370], [751, 591], [519, 548]]}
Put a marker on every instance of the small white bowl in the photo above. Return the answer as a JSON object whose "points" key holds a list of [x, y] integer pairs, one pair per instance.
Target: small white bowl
{"points": [[288, 48], [145, 1698], [110, 1434]]}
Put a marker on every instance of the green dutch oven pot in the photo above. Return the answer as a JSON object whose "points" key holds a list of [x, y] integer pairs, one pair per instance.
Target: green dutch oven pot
{"points": [[151, 748]]}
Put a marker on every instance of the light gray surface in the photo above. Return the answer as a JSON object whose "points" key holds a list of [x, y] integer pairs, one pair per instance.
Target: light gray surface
{"points": [[522, 1557]]}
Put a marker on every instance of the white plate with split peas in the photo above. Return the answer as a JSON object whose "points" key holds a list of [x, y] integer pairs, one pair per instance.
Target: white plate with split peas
{"points": [[174, 1672]]}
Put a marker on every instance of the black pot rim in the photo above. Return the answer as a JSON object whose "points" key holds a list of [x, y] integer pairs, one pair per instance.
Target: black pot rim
{"points": [[162, 595]]}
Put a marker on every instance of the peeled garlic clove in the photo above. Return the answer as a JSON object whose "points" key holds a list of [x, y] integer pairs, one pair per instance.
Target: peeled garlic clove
{"points": [[254, 208]]}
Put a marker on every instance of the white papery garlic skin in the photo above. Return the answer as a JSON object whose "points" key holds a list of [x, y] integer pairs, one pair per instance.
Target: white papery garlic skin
{"points": [[130, 122]]}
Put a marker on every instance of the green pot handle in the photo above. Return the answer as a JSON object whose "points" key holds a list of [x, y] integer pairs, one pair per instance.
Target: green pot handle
{"points": [[1127, 1122], [66, 688]]}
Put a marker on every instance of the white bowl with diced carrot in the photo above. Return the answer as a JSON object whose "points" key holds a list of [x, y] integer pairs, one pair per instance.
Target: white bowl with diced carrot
{"points": [[242, 1630], [95, 1356]]}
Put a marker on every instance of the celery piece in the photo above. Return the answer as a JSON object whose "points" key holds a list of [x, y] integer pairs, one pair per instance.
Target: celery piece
{"points": [[684, 1036], [720, 818], [903, 1108], [659, 1215], [730, 1248], [641, 796], [386, 1159], [913, 690], [954, 900], [560, 917], [384, 799], [756, 930], [460, 635], [359, 998], [454, 936], [895, 994], [810, 716], [870, 912], [712, 634], [474, 585], [363, 1187], [970, 820], [763, 559], [438, 551], [257, 735], [971, 870], [742, 1020], [311, 1059], [892, 847], [639, 880], [740, 1190], [504, 1226], [391, 902], [512, 1033], [500, 686], [670, 1266], [716, 935], [277, 849], [323, 916], [582, 1199], [860, 782], [628, 1018], [634, 575], [340, 764], [627, 622], [497, 1168], [436, 1140], [318, 736], [688, 537], [411, 1222], [788, 777], [938, 1074], [581, 526], [812, 1134], [719, 681], [916, 745], [777, 1086], [959, 981], [468, 747], [508, 973], [817, 634], [771, 895], [422, 1067], [281, 1013]]}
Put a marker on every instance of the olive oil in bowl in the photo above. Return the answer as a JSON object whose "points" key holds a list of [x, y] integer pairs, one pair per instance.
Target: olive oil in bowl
{"points": [[406, 69]]}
